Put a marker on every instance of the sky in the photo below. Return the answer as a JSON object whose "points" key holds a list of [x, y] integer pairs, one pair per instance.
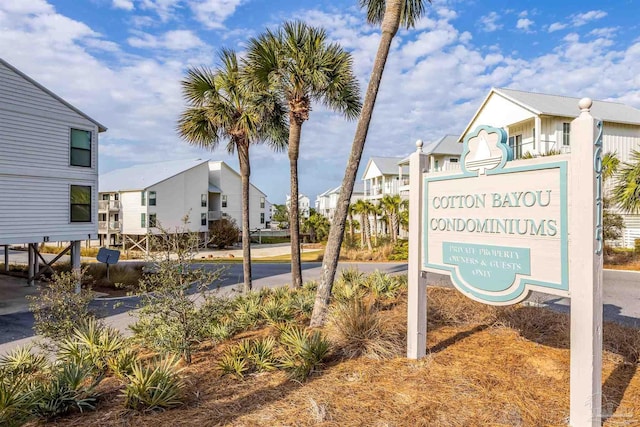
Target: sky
{"points": [[121, 62]]}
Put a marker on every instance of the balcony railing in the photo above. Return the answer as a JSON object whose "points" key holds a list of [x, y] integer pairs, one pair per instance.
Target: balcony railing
{"points": [[104, 226], [108, 205]]}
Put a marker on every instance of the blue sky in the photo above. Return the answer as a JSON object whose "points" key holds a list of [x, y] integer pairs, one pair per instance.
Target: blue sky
{"points": [[121, 62]]}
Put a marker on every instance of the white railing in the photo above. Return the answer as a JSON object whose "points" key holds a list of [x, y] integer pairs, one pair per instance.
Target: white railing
{"points": [[103, 226], [112, 205]]}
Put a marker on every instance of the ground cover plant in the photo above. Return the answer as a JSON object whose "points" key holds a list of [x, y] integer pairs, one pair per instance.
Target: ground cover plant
{"points": [[257, 364]]}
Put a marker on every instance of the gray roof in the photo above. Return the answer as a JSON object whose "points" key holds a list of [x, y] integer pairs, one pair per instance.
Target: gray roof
{"points": [[358, 188], [142, 176], [566, 106], [448, 144], [387, 165], [101, 128]]}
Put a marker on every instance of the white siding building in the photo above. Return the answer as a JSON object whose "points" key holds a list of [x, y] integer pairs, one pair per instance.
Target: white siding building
{"points": [[136, 199], [540, 124], [327, 202], [304, 204], [48, 166], [384, 176]]}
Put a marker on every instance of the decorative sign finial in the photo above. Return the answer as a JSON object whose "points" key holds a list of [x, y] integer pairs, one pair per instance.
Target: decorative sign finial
{"points": [[419, 144], [585, 104]]}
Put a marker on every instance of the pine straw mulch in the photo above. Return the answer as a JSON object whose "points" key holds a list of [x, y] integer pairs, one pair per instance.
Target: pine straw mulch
{"points": [[486, 366]]}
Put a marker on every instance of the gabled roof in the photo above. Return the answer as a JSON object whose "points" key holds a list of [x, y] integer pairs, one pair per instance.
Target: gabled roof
{"points": [[142, 176], [101, 128], [448, 144], [386, 165], [542, 104]]}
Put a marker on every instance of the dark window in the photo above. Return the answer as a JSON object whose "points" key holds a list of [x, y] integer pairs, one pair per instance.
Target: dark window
{"points": [[152, 198], [152, 218], [262, 218], [143, 220], [143, 198], [453, 160], [80, 201], [80, 148], [224, 201], [105, 197], [515, 142], [566, 134], [203, 200], [203, 219]]}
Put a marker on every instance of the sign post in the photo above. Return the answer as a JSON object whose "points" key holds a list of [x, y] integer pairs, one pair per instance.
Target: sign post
{"points": [[501, 229]]}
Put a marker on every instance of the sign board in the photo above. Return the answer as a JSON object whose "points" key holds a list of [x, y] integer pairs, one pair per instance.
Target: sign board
{"points": [[108, 256], [498, 228]]}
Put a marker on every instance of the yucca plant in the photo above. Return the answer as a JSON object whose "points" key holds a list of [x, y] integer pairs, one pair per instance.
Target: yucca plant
{"points": [[15, 401], [221, 331], [22, 361], [248, 312], [304, 351], [154, 386], [122, 362], [381, 285], [277, 311], [71, 388], [233, 364], [302, 303], [262, 354]]}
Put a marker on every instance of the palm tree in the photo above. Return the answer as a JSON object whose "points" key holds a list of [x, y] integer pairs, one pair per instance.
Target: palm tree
{"points": [[390, 14], [363, 207], [219, 107], [317, 225], [391, 205], [298, 62], [626, 192], [376, 210], [353, 224]]}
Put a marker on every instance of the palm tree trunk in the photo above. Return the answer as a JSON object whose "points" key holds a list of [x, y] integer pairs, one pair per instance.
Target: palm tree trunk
{"points": [[394, 225], [367, 231], [375, 228], [351, 227], [362, 218], [245, 172], [295, 129], [390, 25]]}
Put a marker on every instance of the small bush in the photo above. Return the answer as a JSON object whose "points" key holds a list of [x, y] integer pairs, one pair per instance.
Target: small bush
{"points": [[400, 251], [57, 308], [15, 402], [66, 391], [304, 351], [224, 232], [233, 364], [360, 331], [154, 386], [22, 361], [382, 286]]}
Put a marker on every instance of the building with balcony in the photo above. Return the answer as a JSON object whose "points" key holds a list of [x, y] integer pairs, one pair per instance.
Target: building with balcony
{"points": [[327, 202], [48, 168], [540, 124], [303, 205], [140, 199], [384, 176]]}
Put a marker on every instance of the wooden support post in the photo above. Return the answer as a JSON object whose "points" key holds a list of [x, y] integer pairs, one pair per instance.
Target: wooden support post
{"points": [[75, 262], [6, 258], [31, 272], [36, 262], [585, 269], [417, 298]]}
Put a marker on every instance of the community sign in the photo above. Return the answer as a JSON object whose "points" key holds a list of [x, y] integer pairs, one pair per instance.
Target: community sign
{"points": [[498, 228]]}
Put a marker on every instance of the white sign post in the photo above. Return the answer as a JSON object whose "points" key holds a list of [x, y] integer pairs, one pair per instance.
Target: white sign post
{"points": [[501, 229]]}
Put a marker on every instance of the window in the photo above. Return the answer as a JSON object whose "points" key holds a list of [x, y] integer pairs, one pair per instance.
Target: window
{"points": [[102, 217], [80, 201], [80, 148], [453, 160], [143, 198], [152, 219], [152, 198], [533, 132], [203, 219], [203, 200], [116, 196], [436, 165], [515, 142], [105, 196], [261, 217], [224, 201], [143, 220], [566, 134], [261, 202]]}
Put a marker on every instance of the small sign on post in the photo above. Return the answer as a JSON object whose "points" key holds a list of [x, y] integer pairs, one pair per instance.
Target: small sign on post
{"points": [[501, 229], [108, 256]]}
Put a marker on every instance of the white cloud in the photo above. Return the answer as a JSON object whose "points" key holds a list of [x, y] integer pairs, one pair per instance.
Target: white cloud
{"points": [[489, 23], [556, 26], [213, 13], [524, 24], [584, 18], [171, 40], [123, 4], [607, 32]]}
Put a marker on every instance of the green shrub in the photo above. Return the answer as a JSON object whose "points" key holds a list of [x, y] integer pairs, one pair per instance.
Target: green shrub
{"points": [[304, 351], [248, 311], [57, 308], [71, 388], [277, 311], [262, 354], [380, 285], [400, 251], [233, 364], [15, 401], [223, 232], [22, 361], [154, 386]]}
